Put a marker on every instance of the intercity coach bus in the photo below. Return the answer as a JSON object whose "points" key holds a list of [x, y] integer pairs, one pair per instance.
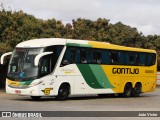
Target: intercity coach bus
{"points": [[62, 67]]}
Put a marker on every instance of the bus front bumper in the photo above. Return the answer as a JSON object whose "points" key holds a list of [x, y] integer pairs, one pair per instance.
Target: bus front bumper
{"points": [[32, 91]]}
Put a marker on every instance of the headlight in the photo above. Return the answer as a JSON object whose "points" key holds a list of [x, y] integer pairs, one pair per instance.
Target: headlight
{"points": [[35, 83]]}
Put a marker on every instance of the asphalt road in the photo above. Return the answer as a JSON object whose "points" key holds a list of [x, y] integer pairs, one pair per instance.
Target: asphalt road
{"points": [[146, 102]]}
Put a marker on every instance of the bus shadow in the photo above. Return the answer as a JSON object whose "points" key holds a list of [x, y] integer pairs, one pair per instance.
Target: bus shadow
{"points": [[45, 99]]}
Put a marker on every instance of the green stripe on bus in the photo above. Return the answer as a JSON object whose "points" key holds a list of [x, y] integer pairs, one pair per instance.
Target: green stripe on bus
{"points": [[94, 76], [89, 76], [26, 82], [101, 76]]}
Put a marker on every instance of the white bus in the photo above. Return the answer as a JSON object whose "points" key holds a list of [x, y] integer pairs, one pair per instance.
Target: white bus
{"points": [[62, 67]]}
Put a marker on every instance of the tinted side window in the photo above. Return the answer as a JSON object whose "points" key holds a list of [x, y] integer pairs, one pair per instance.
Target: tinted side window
{"points": [[72, 55], [46, 65], [142, 59], [55, 55], [151, 59], [121, 57], [105, 57], [137, 59], [114, 57], [83, 55], [97, 56], [131, 58], [67, 57]]}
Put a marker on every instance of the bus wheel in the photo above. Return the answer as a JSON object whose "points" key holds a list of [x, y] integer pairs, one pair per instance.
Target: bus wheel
{"points": [[127, 90], [35, 97], [63, 92], [137, 90]]}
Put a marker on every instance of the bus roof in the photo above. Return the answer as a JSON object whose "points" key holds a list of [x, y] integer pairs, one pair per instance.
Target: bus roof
{"points": [[44, 42]]}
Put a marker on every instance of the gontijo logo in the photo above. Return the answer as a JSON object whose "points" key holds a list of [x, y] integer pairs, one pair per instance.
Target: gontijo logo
{"points": [[125, 71]]}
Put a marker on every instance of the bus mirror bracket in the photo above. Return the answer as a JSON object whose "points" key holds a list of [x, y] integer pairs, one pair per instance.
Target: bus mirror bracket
{"points": [[39, 56], [3, 57]]}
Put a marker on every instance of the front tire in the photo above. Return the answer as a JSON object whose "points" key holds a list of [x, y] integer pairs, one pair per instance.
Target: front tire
{"points": [[63, 92], [35, 97]]}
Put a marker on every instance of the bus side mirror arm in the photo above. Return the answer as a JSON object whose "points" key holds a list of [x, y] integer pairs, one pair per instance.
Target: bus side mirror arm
{"points": [[39, 56], [4, 55]]}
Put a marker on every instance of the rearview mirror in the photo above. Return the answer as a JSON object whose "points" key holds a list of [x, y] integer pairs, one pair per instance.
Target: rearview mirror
{"points": [[4, 56], [39, 56]]}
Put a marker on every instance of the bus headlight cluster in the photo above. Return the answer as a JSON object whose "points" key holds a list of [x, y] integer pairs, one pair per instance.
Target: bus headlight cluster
{"points": [[35, 83]]}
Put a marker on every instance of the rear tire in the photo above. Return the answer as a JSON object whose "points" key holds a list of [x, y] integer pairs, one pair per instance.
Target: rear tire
{"points": [[137, 90], [63, 92], [127, 90]]}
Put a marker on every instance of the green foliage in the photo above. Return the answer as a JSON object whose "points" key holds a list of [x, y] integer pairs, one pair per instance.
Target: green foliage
{"points": [[16, 27]]}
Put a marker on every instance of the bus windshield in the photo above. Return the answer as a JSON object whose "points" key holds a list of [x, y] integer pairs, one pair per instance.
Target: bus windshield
{"points": [[21, 66]]}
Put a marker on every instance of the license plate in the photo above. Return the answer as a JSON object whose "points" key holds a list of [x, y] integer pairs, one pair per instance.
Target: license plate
{"points": [[17, 91]]}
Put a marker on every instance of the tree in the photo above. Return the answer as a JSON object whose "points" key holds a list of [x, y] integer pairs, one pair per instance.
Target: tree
{"points": [[16, 27]]}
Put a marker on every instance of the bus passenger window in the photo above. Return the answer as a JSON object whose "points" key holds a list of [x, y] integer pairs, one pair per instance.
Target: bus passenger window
{"points": [[66, 58], [105, 57], [89, 56], [137, 59], [146, 59], [94, 56], [114, 57], [83, 56], [45, 66], [73, 55], [131, 59], [142, 59], [99, 57], [56, 49], [121, 57], [151, 59]]}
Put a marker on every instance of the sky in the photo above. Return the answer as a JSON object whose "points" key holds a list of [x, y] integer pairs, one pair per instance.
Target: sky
{"points": [[142, 14]]}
